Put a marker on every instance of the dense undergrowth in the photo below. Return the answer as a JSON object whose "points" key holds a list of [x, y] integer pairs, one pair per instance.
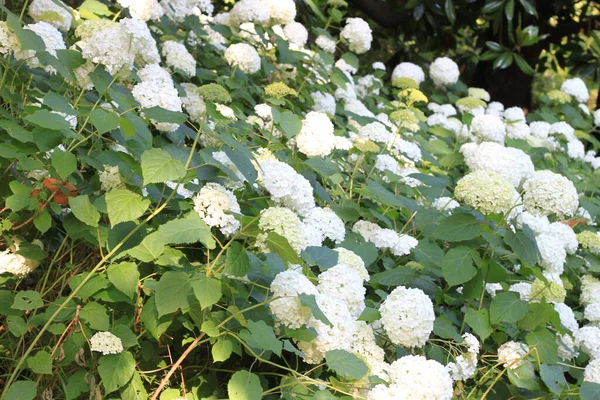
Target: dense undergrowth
{"points": [[213, 207]]}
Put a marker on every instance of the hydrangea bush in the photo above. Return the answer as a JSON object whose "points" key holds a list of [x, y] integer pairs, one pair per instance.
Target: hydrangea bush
{"points": [[202, 203]]}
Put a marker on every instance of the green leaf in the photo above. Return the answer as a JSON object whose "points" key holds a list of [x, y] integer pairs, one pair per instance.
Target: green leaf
{"points": [[450, 11], [48, 120], [43, 221], [458, 266], [309, 300], [158, 167], [524, 377], [161, 115], [278, 244], [529, 8], [290, 123], [503, 61], [186, 230], [243, 164], [509, 10], [588, 391], [64, 162], [237, 262], [95, 316], [150, 249], [444, 328], [127, 337], [345, 364], [116, 370], [369, 315], [221, 349], [458, 227], [260, 336], [104, 121], [154, 324], [523, 244], [16, 131], [554, 378], [40, 363], [492, 6], [123, 205], [125, 277], [26, 300], [172, 292], [27, 38], [507, 307], [323, 257], [16, 325], [21, 390], [395, 276], [244, 385], [544, 342], [479, 321], [207, 290], [84, 210], [494, 46], [523, 65]]}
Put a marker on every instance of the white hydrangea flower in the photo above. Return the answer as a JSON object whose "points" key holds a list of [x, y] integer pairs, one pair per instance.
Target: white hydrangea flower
{"points": [[408, 70], [177, 10], [564, 129], [106, 343], [365, 345], [565, 234], [567, 317], [226, 111], [488, 128], [590, 290], [287, 308], [110, 178], [407, 316], [378, 66], [510, 163], [346, 68], [326, 44], [8, 40], [385, 162], [540, 129], [546, 192], [523, 288], [495, 108], [357, 33], [576, 87], [514, 114], [592, 371], [519, 130], [56, 14], [450, 124], [492, 288], [588, 340], [399, 245], [351, 259], [397, 145], [283, 222], [296, 34], [216, 206], [592, 312], [287, 187], [253, 11], [193, 102], [316, 138], [53, 40], [144, 10], [466, 363], [511, 354], [597, 117], [282, 12], [345, 284], [444, 204], [478, 93], [375, 131], [244, 57], [156, 89], [552, 253], [443, 71], [336, 336], [326, 224], [16, 264], [368, 85], [566, 347], [487, 192], [575, 150], [415, 378], [177, 56], [324, 103]]}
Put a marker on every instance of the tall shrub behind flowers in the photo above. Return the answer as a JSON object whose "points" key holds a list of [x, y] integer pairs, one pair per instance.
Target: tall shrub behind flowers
{"points": [[202, 205]]}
